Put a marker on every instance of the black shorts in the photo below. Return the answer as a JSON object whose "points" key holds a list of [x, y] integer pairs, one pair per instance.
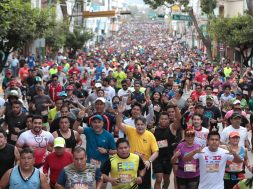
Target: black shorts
{"points": [[162, 166], [186, 181]]}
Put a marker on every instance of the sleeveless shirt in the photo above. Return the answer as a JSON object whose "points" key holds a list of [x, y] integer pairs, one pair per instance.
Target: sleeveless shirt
{"points": [[17, 181]]}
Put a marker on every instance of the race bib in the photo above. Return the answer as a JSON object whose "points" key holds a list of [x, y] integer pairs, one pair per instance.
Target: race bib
{"points": [[211, 168], [125, 178], [235, 167], [14, 137], [162, 143], [80, 186], [189, 167], [95, 162]]}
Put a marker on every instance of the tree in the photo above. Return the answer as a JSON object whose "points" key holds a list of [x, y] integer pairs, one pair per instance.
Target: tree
{"points": [[56, 38], [235, 32], [20, 23], [207, 6], [77, 38]]}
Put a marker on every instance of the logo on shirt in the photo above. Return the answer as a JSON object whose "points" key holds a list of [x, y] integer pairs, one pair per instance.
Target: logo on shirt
{"points": [[125, 166]]}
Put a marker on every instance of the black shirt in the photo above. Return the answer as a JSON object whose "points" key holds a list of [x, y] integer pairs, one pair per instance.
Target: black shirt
{"points": [[163, 136], [7, 158]]}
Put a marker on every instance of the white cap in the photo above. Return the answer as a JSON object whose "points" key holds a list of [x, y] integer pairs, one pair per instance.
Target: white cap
{"points": [[97, 85], [237, 102], [100, 99], [13, 93]]}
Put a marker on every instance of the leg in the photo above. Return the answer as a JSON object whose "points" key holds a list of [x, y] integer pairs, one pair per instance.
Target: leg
{"points": [[146, 183], [158, 181], [181, 183], [166, 181]]}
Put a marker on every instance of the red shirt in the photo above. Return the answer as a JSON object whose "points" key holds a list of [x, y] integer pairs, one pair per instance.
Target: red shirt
{"points": [[195, 95], [201, 78], [74, 70], [54, 91], [23, 73], [56, 164]]}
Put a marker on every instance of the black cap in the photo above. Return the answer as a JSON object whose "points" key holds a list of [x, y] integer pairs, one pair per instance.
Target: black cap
{"points": [[235, 114], [199, 105]]}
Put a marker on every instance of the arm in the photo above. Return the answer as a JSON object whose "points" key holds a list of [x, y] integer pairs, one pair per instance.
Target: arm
{"points": [[78, 121], [78, 138], [151, 113], [4, 182], [99, 184], [17, 155], [190, 155], [58, 186], [119, 122], [43, 182], [175, 157]]}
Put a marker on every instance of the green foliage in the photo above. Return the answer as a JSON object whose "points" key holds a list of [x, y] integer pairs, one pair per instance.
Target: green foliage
{"points": [[20, 23], [56, 37], [77, 38], [207, 6], [235, 32]]}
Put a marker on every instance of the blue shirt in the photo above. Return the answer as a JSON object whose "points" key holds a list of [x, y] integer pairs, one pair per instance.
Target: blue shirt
{"points": [[98, 72], [93, 141]]}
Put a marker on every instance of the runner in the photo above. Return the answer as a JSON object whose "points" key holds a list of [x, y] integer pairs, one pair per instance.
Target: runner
{"points": [[212, 162]]}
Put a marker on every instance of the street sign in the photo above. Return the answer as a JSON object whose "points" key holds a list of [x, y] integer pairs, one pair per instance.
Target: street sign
{"points": [[181, 17]]}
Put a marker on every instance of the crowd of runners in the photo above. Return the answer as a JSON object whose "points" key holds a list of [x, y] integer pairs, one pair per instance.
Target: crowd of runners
{"points": [[139, 106]]}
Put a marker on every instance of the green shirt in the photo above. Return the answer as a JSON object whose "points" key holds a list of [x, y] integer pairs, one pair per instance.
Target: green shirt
{"points": [[242, 184]]}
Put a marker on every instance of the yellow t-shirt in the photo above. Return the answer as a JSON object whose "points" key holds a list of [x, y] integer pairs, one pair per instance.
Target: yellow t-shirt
{"points": [[143, 145], [124, 169]]}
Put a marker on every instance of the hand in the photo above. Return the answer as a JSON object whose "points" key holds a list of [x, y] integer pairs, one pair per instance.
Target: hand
{"points": [[81, 114], [148, 101], [147, 164], [17, 130], [177, 153], [138, 180], [121, 107], [102, 150], [157, 108], [114, 181]]}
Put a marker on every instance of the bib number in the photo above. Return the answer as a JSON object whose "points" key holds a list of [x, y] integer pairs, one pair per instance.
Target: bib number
{"points": [[189, 167]]}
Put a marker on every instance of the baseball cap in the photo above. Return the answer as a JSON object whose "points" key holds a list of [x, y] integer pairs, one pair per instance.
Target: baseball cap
{"points": [[13, 93], [235, 114], [100, 99], [97, 116], [209, 97], [59, 142], [199, 105], [237, 102], [234, 134], [41, 88], [97, 85], [70, 87]]}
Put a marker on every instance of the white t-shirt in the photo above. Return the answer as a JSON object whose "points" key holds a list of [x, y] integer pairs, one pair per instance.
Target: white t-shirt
{"points": [[242, 131], [38, 143], [201, 136], [109, 93], [212, 167]]}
